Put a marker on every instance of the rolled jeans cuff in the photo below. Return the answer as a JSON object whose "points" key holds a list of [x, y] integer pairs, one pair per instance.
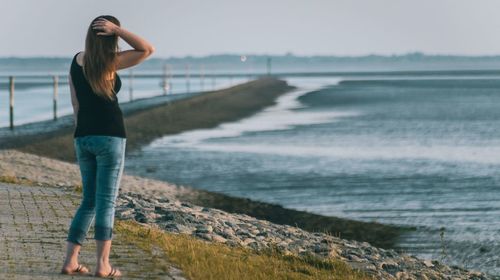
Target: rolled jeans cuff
{"points": [[76, 236], [103, 233]]}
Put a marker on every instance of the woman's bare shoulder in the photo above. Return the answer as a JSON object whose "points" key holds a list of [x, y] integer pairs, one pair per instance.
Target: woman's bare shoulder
{"points": [[79, 58]]}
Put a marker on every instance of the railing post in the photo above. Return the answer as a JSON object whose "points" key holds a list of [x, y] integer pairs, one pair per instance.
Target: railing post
{"points": [[170, 85], [269, 62], [202, 78], [165, 79], [11, 101], [56, 84], [250, 70], [131, 85], [187, 79]]}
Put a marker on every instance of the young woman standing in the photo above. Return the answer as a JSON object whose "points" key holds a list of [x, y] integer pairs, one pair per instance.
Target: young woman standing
{"points": [[99, 136]]}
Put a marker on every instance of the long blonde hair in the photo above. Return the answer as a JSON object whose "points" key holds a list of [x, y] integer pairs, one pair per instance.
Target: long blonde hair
{"points": [[99, 61]]}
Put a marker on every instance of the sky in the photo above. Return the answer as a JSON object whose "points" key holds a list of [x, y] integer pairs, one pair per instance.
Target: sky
{"points": [[302, 27]]}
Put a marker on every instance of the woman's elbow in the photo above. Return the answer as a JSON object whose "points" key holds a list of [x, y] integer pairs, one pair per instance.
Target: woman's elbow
{"points": [[149, 51]]}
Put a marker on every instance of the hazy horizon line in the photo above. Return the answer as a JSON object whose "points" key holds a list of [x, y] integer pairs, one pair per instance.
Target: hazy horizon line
{"points": [[290, 54]]}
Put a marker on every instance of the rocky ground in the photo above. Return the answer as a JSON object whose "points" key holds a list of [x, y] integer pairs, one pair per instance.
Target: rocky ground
{"points": [[241, 230], [155, 203]]}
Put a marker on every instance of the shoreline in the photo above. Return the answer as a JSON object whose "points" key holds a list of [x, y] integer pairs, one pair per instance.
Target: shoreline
{"points": [[210, 109], [377, 234]]}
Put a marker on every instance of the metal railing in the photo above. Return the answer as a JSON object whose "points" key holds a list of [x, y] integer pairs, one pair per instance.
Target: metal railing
{"points": [[11, 87]]}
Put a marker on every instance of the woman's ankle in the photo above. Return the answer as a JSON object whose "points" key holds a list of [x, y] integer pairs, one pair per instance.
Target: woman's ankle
{"points": [[72, 253], [71, 261], [103, 264], [70, 264]]}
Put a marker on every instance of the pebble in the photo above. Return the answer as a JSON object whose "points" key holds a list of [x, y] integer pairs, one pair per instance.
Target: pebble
{"points": [[428, 263], [218, 238], [204, 229]]}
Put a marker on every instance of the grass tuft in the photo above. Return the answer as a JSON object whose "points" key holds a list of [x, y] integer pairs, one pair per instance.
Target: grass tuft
{"points": [[78, 188], [16, 180]]}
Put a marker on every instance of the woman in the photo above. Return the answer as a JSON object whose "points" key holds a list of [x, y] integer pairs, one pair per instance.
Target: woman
{"points": [[99, 136]]}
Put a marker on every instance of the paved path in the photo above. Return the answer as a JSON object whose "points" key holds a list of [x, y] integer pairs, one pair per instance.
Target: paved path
{"points": [[33, 228]]}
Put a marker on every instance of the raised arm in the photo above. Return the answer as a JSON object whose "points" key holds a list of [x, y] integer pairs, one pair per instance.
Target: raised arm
{"points": [[141, 48], [74, 100]]}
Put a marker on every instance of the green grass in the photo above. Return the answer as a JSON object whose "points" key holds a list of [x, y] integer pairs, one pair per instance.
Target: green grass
{"points": [[203, 260]]}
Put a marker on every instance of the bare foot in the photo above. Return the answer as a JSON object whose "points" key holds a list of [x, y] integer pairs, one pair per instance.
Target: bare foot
{"points": [[74, 269], [109, 273]]}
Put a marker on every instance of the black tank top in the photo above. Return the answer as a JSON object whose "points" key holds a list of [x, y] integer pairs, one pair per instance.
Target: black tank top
{"points": [[96, 115]]}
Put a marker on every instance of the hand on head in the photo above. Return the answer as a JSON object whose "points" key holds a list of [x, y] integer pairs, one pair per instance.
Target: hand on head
{"points": [[105, 27]]}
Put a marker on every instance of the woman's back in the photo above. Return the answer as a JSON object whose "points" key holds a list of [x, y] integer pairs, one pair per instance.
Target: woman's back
{"points": [[96, 115]]}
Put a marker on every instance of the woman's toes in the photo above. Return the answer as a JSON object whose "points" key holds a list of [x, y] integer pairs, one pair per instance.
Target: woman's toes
{"points": [[109, 273], [74, 268]]}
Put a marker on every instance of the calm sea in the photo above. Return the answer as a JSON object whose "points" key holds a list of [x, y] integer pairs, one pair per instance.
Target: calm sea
{"points": [[418, 151]]}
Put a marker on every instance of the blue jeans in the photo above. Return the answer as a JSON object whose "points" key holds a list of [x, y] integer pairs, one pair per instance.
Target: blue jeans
{"points": [[101, 160]]}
